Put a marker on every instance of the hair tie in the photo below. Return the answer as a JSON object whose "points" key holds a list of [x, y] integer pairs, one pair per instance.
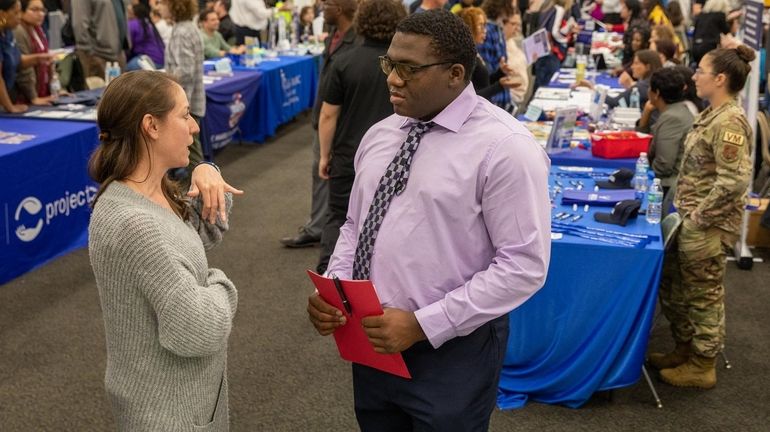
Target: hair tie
{"points": [[104, 135]]}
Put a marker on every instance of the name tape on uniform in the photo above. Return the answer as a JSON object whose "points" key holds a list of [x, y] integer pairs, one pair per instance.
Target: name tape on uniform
{"points": [[733, 138]]}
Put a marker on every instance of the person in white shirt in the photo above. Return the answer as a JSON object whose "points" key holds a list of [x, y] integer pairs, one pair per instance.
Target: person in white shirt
{"points": [[249, 17]]}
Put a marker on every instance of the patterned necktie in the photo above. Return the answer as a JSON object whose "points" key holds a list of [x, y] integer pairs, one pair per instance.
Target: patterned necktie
{"points": [[392, 183]]}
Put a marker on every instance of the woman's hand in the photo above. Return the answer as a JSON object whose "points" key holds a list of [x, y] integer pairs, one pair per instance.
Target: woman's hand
{"points": [[510, 82], [505, 67], [626, 81], [18, 108], [41, 101], [582, 83], [207, 182]]}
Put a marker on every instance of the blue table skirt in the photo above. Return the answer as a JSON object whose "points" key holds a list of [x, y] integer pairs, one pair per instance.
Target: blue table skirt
{"points": [[288, 87], [227, 102], [584, 158], [587, 329], [47, 192]]}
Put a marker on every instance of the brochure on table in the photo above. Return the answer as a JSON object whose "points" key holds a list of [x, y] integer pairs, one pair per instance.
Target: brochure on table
{"points": [[563, 128], [536, 46]]}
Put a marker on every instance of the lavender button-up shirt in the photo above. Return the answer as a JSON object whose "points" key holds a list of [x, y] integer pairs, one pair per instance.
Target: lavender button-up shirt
{"points": [[469, 238]]}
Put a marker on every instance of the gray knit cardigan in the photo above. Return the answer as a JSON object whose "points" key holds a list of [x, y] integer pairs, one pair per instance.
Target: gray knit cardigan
{"points": [[167, 315]]}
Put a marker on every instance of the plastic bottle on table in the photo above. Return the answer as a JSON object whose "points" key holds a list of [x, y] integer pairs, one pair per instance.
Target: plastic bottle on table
{"points": [[591, 68], [640, 177], [635, 99], [55, 85], [580, 67], [655, 202]]}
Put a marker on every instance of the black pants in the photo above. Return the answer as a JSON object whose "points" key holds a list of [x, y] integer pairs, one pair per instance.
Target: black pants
{"points": [[453, 388], [339, 196], [242, 32]]}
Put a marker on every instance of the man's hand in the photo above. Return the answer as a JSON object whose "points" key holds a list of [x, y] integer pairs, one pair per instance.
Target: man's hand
{"points": [[393, 331], [325, 317], [323, 167]]}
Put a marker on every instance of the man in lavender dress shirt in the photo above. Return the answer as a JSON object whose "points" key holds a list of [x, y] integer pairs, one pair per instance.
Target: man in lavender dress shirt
{"points": [[466, 242]]}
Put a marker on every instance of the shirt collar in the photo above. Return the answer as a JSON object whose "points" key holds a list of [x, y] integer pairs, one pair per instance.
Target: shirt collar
{"points": [[710, 113], [455, 114]]}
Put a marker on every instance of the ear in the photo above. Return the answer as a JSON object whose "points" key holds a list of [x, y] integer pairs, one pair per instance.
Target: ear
{"points": [[456, 75], [150, 126], [720, 80]]}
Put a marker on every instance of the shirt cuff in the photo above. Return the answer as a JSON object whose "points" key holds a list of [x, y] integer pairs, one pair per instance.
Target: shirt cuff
{"points": [[435, 323]]}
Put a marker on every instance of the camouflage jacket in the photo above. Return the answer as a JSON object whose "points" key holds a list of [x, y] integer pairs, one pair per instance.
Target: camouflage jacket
{"points": [[716, 168]]}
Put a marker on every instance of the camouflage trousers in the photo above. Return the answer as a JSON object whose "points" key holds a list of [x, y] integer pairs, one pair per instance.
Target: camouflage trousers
{"points": [[692, 289]]}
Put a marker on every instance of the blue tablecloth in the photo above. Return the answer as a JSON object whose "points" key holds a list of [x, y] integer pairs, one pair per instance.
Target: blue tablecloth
{"points": [[587, 329], [584, 158], [287, 88], [46, 194], [227, 101]]}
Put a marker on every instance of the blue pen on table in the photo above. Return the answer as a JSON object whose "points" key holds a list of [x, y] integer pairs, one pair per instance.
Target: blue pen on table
{"points": [[343, 297]]}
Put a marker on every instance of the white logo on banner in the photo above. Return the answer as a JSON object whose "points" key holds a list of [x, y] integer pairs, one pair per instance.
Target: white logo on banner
{"points": [[32, 206], [59, 207], [237, 108], [289, 86]]}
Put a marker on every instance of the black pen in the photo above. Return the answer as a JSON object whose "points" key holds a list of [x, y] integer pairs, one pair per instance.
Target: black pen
{"points": [[343, 297]]}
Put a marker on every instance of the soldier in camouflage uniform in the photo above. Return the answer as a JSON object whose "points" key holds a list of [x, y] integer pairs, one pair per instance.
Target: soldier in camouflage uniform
{"points": [[710, 197]]}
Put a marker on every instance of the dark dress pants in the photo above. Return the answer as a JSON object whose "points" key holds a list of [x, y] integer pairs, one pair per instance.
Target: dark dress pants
{"points": [[453, 388]]}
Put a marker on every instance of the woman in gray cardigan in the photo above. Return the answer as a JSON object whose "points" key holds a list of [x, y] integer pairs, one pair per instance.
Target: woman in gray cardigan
{"points": [[167, 315]]}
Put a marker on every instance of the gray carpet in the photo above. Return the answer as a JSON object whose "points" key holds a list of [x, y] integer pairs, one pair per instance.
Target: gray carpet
{"points": [[284, 377]]}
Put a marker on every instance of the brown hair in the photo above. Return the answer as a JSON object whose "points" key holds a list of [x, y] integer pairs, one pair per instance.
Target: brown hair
{"points": [[649, 58], [498, 8], [472, 16], [668, 49], [182, 10], [124, 104], [377, 19], [664, 32], [734, 63], [674, 12], [205, 15]]}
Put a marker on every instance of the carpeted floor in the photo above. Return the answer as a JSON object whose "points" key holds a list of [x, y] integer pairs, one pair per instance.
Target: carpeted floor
{"points": [[285, 378]]}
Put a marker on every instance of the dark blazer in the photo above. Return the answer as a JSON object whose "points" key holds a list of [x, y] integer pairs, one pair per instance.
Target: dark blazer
{"points": [[668, 135]]}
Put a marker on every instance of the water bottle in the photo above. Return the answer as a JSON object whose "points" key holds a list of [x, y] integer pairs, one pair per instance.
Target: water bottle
{"points": [[111, 72], [635, 98], [281, 30], [294, 30], [655, 202], [591, 68], [55, 85], [580, 70], [640, 177], [107, 73]]}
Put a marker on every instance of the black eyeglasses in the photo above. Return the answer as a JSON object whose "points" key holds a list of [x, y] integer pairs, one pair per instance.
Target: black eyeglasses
{"points": [[405, 71]]}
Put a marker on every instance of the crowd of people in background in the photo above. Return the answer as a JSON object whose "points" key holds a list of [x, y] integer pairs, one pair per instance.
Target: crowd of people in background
{"points": [[131, 32]]}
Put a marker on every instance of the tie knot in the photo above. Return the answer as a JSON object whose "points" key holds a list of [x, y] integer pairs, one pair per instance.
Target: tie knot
{"points": [[422, 127]]}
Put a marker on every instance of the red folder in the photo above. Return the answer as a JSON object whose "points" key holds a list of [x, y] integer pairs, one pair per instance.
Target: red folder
{"points": [[351, 339]]}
